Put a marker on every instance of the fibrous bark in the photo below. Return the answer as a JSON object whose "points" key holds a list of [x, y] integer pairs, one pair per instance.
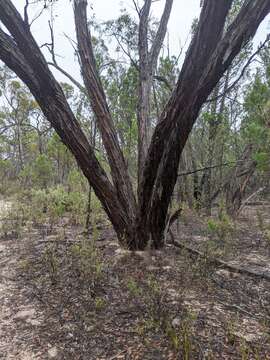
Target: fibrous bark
{"points": [[100, 107], [210, 54]]}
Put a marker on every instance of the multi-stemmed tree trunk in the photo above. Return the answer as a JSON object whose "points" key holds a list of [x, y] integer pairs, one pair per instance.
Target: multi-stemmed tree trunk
{"points": [[142, 219]]}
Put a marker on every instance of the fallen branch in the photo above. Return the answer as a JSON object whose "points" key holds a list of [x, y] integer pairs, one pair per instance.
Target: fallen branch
{"points": [[170, 221], [220, 263], [246, 202]]}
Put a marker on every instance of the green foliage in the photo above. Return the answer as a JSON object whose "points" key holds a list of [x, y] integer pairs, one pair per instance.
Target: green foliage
{"points": [[48, 206], [14, 219], [76, 206], [262, 160], [133, 287], [76, 181], [5, 169], [51, 262], [86, 262], [42, 171], [264, 229], [100, 303], [220, 229], [255, 127], [231, 332]]}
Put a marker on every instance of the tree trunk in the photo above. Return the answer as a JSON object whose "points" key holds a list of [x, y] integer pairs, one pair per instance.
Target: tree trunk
{"points": [[103, 116], [238, 180], [196, 81], [147, 67], [214, 126], [212, 134]]}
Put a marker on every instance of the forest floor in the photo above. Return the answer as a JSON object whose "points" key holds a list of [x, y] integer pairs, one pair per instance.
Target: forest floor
{"points": [[63, 297]]}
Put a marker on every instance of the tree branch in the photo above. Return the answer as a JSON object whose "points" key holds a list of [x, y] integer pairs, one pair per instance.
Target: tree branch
{"points": [[221, 264], [164, 81], [175, 123], [207, 168], [71, 78], [100, 107], [22, 55], [51, 48], [144, 88], [230, 87], [160, 35], [26, 18], [136, 6]]}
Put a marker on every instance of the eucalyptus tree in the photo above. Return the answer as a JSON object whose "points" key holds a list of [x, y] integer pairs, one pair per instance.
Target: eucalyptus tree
{"points": [[17, 106], [255, 127], [139, 219]]}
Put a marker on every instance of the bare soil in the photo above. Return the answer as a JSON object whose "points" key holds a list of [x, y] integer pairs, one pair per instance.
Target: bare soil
{"points": [[62, 298]]}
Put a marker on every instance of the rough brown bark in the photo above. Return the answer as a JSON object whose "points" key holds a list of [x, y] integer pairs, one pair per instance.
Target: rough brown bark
{"points": [[100, 107], [210, 54], [170, 136]]}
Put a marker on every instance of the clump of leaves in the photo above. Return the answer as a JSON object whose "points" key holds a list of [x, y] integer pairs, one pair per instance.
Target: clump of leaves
{"points": [[100, 303], [133, 287], [48, 206], [86, 262], [25, 265], [260, 220], [51, 262], [220, 230], [13, 222], [184, 338], [230, 332]]}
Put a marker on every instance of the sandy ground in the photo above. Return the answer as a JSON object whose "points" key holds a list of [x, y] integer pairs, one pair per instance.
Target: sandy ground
{"points": [[30, 328], [17, 316]]}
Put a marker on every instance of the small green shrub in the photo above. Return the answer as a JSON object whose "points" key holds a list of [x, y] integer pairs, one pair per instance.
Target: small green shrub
{"points": [[76, 182], [86, 262], [220, 230], [76, 207], [100, 303], [51, 262], [51, 204], [133, 287], [14, 220]]}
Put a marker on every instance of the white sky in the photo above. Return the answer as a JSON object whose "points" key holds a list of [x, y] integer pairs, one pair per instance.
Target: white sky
{"points": [[183, 12]]}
